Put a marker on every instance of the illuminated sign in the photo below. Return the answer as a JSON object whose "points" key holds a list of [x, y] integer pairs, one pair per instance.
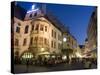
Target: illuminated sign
{"points": [[33, 9]]}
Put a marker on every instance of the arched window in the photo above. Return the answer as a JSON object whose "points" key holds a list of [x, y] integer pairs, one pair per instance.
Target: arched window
{"points": [[26, 29], [16, 42]]}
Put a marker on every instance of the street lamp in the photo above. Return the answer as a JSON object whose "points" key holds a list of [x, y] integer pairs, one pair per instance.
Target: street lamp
{"points": [[64, 39]]}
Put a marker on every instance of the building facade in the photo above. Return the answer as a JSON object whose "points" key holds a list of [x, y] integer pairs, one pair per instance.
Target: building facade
{"points": [[44, 37], [92, 31], [92, 35], [40, 33], [70, 45]]}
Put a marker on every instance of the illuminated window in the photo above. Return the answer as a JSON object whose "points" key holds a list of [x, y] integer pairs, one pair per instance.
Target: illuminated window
{"points": [[26, 29], [18, 29], [16, 42], [25, 41], [27, 55]]}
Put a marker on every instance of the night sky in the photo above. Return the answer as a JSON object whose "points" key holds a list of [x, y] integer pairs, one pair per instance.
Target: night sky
{"points": [[76, 17]]}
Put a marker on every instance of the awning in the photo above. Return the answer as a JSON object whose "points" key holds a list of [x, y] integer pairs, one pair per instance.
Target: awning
{"points": [[43, 53]]}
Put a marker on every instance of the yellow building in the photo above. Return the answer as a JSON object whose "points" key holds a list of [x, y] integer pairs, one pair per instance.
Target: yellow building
{"points": [[44, 37], [35, 32], [39, 32]]}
